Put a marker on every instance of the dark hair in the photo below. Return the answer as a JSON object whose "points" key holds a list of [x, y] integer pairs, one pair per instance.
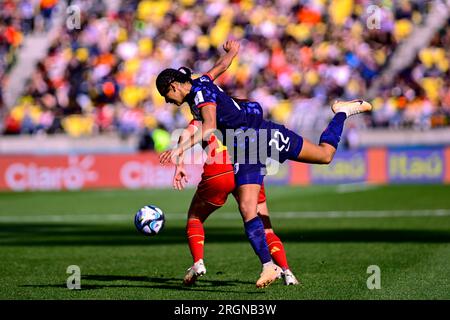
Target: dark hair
{"points": [[167, 76]]}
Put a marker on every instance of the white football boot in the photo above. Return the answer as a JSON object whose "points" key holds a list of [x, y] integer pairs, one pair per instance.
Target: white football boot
{"points": [[269, 274], [194, 272], [351, 107], [289, 278]]}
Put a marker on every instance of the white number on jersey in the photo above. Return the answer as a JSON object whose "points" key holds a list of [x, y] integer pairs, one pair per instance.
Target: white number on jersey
{"points": [[199, 98], [276, 141]]}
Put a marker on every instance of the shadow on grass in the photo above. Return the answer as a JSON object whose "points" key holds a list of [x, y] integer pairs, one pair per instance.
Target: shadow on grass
{"points": [[152, 283], [52, 234], [203, 281]]}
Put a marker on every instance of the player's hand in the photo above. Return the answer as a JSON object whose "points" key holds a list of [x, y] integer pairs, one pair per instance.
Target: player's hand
{"points": [[168, 156], [231, 45], [180, 178], [165, 157]]}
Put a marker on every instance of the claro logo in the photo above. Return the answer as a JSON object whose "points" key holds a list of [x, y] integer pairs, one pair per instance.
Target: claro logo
{"points": [[31, 176], [135, 174]]}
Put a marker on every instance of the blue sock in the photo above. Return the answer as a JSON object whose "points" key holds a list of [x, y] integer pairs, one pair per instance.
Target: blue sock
{"points": [[254, 229], [332, 134]]}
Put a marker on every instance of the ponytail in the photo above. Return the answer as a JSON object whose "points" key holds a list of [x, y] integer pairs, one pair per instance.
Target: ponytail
{"points": [[186, 71]]}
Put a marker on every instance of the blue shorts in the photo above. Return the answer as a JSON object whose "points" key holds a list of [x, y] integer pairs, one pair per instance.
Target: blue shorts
{"points": [[283, 144], [249, 174], [280, 144]]}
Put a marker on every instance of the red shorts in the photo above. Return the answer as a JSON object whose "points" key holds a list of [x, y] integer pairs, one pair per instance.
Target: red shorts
{"points": [[262, 194], [215, 189]]}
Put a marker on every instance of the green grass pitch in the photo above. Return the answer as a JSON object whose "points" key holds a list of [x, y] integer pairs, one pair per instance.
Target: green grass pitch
{"points": [[331, 234]]}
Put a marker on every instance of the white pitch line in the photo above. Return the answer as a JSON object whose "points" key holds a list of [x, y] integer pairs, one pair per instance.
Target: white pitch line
{"points": [[355, 187], [85, 218]]}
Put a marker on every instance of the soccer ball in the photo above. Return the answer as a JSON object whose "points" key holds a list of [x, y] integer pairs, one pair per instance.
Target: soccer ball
{"points": [[149, 220]]}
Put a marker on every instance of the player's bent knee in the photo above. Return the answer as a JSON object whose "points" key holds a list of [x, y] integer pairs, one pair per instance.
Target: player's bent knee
{"points": [[327, 154], [327, 159], [247, 210]]}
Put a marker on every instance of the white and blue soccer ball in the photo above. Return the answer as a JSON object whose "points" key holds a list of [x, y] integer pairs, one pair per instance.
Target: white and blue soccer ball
{"points": [[149, 220]]}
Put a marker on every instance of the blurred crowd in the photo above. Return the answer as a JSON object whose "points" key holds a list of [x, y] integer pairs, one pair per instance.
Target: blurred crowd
{"points": [[296, 58], [18, 19]]}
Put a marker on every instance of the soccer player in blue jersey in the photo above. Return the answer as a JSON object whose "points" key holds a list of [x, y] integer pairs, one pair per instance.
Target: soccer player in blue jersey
{"points": [[216, 184], [219, 112]]}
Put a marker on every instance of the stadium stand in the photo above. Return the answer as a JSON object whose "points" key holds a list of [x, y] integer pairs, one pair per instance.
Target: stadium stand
{"points": [[293, 59]]}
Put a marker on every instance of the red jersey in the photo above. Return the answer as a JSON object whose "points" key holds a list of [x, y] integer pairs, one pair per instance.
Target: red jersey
{"points": [[218, 160], [218, 174]]}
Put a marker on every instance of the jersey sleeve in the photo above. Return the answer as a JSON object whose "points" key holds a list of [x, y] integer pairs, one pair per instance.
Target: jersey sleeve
{"points": [[205, 96], [195, 123], [208, 76]]}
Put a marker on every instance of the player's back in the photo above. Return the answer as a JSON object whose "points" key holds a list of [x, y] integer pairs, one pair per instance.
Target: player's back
{"points": [[254, 112]]}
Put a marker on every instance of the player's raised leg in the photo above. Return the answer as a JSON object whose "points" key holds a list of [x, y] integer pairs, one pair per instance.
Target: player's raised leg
{"points": [[330, 138]]}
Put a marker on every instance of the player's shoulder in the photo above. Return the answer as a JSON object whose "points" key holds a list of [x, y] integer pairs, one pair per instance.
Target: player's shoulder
{"points": [[203, 89], [203, 80]]}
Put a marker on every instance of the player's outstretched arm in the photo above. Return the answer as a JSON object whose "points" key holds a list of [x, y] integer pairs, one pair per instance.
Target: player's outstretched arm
{"points": [[231, 48], [180, 178], [208, 127], [184, 139]]}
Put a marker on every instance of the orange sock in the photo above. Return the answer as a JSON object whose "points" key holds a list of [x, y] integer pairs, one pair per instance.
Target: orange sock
{"points": [[196, 238], [276, 249]]}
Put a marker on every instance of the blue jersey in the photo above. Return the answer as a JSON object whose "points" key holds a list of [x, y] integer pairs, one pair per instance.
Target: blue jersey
{"points": [[282, 144], [237, 116], [229, 115], [253, 112]]}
